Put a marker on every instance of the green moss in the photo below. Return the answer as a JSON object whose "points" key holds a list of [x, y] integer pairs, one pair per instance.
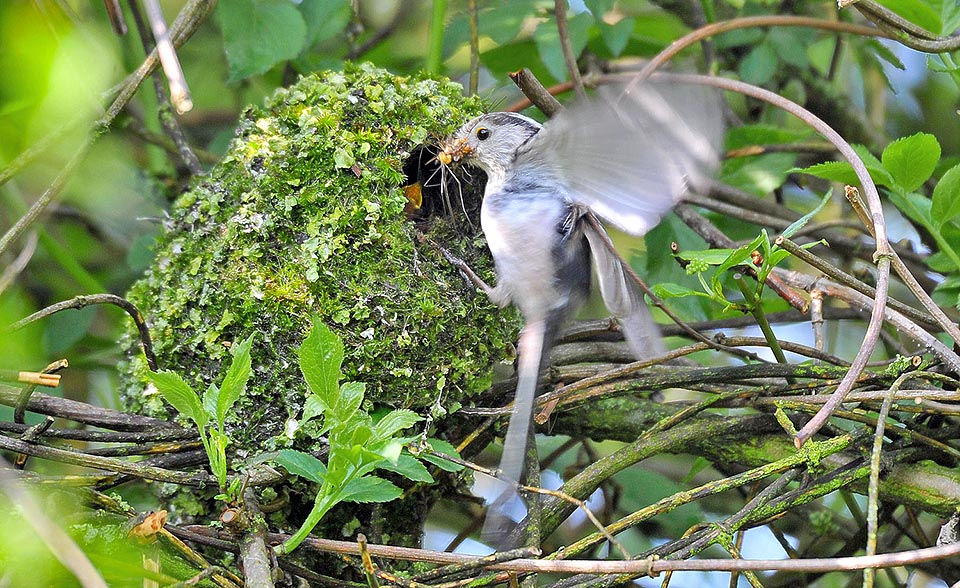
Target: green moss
{"points": [[305, 216]]}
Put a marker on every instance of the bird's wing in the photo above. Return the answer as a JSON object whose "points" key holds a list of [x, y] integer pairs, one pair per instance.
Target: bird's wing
{"points": [[629, 157], [622, 296]]}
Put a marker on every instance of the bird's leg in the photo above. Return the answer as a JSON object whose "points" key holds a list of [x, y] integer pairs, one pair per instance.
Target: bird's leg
{"points": [[497, 294]]}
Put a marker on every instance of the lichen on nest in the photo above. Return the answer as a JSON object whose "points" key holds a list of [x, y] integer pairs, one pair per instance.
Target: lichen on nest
{"points": [[304, 216]]}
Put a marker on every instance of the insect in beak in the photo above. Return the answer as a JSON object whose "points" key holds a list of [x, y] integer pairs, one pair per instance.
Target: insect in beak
{"points": [[454, 151]]}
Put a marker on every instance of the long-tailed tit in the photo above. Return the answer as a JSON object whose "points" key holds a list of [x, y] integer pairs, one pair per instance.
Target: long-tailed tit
{"points": [[624, 157]]}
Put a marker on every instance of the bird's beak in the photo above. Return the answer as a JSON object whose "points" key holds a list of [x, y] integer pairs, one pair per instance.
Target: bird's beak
{"points": [[454, 151]]}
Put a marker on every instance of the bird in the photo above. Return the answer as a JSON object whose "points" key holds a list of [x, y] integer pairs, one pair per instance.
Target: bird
{"points": [[625, 155]]}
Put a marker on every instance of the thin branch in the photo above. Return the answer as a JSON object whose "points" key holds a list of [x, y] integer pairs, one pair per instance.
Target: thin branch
{"points": [[83, 301], [535, 92], [563, 30]]}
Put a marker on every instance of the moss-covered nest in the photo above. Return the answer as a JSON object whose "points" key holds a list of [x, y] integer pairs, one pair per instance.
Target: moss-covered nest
{"points": [[305, 217]]}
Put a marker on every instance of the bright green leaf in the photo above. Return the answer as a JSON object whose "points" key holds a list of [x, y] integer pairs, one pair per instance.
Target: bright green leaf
{"points": [[395, 421], [301, 464], [321, 355], [670, 290], [314, 407], [235, 382], [946, 197], [351, 396], [180, 395], [911, 160], [369, 489], [258, 34], [707, 256]]}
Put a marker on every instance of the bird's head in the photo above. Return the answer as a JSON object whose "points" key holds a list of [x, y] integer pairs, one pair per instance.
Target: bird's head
{"points": [[488, 141]]}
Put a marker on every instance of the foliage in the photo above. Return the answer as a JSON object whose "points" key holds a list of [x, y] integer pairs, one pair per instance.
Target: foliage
{"points": [[356, 444], [298, 220], [209, 414]]}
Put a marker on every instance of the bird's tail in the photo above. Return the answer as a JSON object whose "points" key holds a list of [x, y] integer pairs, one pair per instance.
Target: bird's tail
{"points": [[499, 522]]}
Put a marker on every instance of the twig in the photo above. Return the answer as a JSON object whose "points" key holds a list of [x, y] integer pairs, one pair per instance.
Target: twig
{"points": [[179, 92], [13, 270], [83, 301], [82, 412], [35, 378], [535, 92], [563, 31], [164, 113], [474, 47], [642, 566], [904, 31], [253, 548]]}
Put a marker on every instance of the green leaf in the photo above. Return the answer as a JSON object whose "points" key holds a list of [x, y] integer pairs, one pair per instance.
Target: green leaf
{"points": [[919, 13], [369, 489], [301, 464], [325, 18], [841, 171], [394, 421], [321, 355], [911, 160], [313, 407], [760, 174], [750, 135], [235, 382], [916, 206], [759, 66], [946, 197], [446, 448], [707, 256], [351, 395], [210, 398], [803, 220], [615, 36], [548, 42], [217, 456], [258, 34], [670, 290], [409, 467], [343, 157], [180, 395]]}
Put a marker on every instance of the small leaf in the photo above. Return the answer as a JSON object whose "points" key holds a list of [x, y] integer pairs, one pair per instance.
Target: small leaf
{"points": [[369, 489], [446, 448], [911, 160], [670, 290], [394, 421], [313, 407], [180, 395], [615, 36], [301, 464], [235, 382], [409, 467], [707, 256], [351, 396], [759, 66], [343, 157], [946, 197], [321, 355], [800, 222]]}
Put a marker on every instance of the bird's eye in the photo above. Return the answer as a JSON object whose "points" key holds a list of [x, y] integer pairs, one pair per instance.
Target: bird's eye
{"points": [[483, 133]]}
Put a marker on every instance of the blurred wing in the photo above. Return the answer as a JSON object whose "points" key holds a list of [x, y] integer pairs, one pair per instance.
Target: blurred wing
{"points": [[630, 157], [622, 296]]}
